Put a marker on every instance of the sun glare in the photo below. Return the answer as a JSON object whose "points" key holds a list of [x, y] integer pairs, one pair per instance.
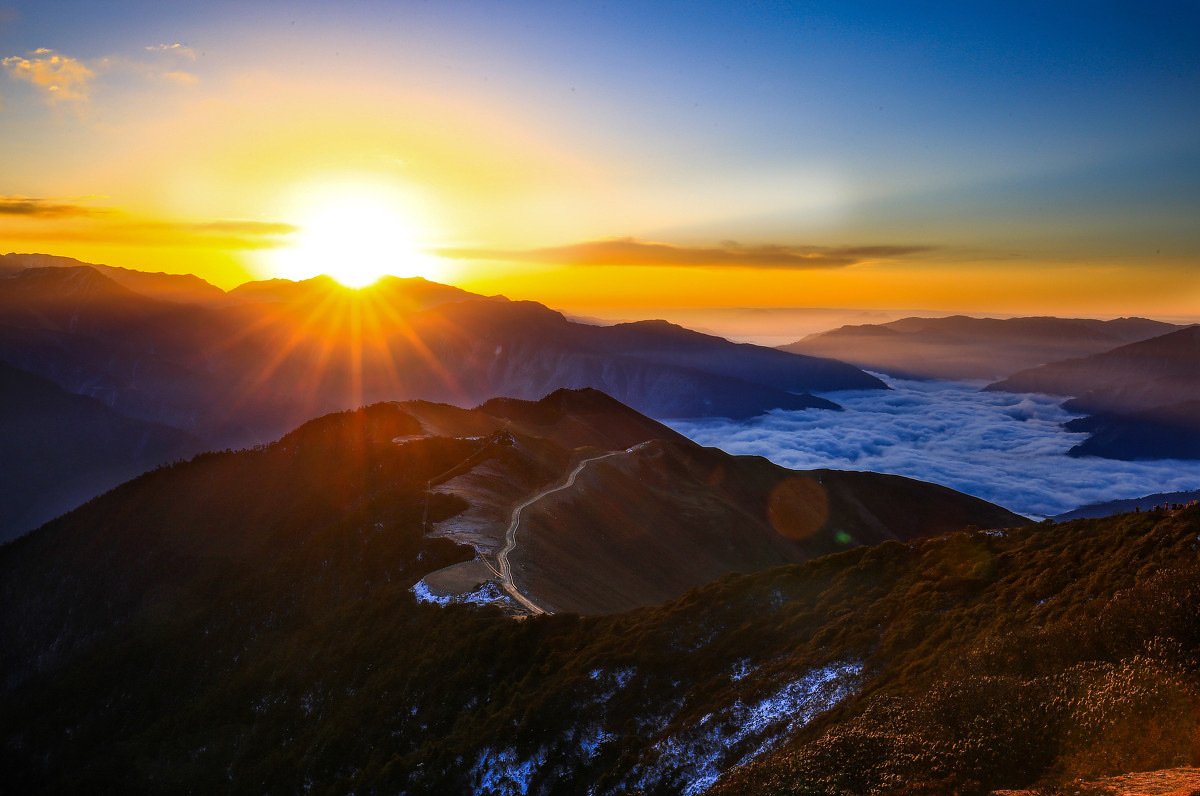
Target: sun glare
{"points": [[355, 234]]}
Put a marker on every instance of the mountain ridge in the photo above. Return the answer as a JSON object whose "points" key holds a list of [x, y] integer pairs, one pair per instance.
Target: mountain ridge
{"points": [[961, 347], [1143, 399]]}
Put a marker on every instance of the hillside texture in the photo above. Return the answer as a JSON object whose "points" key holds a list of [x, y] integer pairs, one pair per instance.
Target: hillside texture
{"points": [[252, 623]]}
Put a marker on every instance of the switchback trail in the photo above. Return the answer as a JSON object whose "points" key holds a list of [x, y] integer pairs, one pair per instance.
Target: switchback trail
{"points": [[510, 536]]}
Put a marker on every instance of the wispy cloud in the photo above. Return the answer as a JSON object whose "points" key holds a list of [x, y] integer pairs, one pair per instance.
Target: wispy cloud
{"points": [[77, 221], [729, 254], [173, 53], [47, 208], [59, 77], [182, 50]]}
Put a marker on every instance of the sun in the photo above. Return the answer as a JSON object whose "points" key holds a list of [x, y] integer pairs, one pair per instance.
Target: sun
{"points": [[355, 234]]}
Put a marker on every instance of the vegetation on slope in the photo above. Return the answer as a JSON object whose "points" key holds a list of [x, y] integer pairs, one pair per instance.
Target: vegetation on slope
{"points": [[297, 659]]}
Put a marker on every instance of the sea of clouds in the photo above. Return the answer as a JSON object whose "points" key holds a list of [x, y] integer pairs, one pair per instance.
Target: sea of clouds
{"points": [[1009, 448]]}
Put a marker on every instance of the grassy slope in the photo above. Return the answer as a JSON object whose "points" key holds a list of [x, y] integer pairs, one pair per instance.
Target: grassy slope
{"points": [[988, 661]]}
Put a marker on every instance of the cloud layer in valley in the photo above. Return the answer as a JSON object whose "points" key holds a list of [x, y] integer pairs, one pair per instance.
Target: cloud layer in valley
{"points": [[632, 251], [1006, 448]]}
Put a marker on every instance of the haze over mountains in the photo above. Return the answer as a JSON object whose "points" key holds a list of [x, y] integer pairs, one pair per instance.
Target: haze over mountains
{"points": [[1143, 398], [243, 368], [59, 446], [959, 347]]}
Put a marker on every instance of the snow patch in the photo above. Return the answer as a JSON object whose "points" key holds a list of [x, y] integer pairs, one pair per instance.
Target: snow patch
{"points": [[700, 755], [741, 669], [591, 739], [486, 594], [503, 773]]}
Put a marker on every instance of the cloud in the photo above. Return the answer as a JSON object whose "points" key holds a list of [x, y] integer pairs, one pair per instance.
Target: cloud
{"points": [[181, 50], [1006, 448], [45, 208], [79, 222], [62, 79], [632, 251]]}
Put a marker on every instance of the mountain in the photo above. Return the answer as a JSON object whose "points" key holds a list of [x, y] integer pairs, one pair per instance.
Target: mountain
{"points": [[669, 344], [961, 347], [271, 355], [178, 288], [1156, 372], [1146, 503], [1164, 432], [245, 373], [403, 294], [524, 350], [1144, 397], [61, 449], [657, 516], [649, 514], [254, 621]]}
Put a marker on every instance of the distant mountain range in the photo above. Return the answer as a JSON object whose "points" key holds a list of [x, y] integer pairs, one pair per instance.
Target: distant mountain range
{"points": [[959, 347], [241, 368], [261, 621], [1146, 503], [1143, 398]]}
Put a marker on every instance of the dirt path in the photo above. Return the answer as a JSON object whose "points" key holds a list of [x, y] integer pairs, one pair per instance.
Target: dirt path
{"points": [[510, 536]]}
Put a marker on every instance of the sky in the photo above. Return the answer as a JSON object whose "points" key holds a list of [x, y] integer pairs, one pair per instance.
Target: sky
{"points": [[993, 158]]}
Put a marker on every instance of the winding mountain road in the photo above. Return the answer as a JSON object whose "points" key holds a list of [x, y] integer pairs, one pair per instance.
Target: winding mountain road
{"points": [[510, 536]]}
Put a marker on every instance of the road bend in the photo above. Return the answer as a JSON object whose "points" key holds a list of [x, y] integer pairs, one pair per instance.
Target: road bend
{"points": [[510, 536]]}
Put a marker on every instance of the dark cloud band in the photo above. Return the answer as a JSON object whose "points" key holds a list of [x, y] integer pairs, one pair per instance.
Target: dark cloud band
{"points": [[729, 254]]}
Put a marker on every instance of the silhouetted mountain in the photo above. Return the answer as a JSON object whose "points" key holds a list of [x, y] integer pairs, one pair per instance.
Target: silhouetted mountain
{"points": [[246, 373], [1156, 372], [246, 622], [61, 449], [277, 353], [1164, 432], [1143, 397], [1146, 503], [180, 288], [524, 350], [403, 295], [669, 344], [960, 347]]}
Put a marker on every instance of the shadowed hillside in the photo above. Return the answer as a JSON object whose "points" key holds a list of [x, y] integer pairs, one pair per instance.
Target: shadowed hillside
{"points": [[242, 368], [268, 642], [60, 449], [1143, 398]]}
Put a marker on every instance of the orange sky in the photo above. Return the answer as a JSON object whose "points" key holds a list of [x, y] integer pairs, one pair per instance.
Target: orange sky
{"points": [[580, 167]]}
